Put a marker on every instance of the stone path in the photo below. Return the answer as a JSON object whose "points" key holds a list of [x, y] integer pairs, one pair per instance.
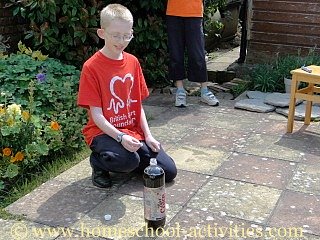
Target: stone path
{"points": [[279, 102], [240, 175]]}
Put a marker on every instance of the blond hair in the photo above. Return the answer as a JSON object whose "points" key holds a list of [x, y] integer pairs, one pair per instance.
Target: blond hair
{"points": [[114, 12]]}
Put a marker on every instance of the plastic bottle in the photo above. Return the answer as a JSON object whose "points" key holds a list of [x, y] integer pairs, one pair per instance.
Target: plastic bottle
{"points": [[154, 194]]}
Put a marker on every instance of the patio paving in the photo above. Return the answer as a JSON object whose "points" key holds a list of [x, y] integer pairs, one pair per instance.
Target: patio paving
{"points": [[239, 176]]}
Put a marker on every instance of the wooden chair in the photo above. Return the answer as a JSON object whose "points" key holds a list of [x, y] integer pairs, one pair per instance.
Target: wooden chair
{"points": [[307, 93]]}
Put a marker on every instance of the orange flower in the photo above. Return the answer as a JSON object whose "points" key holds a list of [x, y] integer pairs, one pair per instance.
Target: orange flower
{"points": [[25, 115], [6, 152], [55, 126], [19, 156]]}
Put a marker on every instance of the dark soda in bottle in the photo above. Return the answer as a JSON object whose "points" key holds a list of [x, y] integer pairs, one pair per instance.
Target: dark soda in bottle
{"points": [[154, 194]]}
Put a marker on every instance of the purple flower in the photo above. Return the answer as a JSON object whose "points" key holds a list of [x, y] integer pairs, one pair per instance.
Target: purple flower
{"points": [[41, 77]]}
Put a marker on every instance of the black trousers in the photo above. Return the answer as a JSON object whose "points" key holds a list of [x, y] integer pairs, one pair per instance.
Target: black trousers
{"points": [[185, 35], [109, 155]]}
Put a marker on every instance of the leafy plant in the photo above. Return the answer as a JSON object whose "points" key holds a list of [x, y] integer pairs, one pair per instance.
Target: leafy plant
{"points": [[38, 112], [211, 7], [284, 64], [265, 78], [66, 30], [24, 138], [212, 25], [3, 46], [269, 77], [55, 90]]}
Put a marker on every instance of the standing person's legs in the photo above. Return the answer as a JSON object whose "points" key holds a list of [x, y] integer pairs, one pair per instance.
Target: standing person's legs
{"points": [[176, 48], [163, 160], [197, 66], [110, 156]]}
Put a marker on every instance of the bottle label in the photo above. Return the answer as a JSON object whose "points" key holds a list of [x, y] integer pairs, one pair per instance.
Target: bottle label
{"points": [[154, 203]]}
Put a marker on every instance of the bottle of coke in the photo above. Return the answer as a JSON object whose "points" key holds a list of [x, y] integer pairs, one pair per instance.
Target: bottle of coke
{"points": [[154, 194]]}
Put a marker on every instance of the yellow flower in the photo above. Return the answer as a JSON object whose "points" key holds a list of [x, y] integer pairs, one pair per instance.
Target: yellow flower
{"points": [[10, 121], [14, 109], [25, 115], [6, 151], [39, 55], [2, 111], [21, 47], [55, 126], [13, 159], [19, 156]]}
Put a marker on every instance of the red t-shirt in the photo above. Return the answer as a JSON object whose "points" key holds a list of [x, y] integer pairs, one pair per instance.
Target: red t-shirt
{"points": [[118, 87]]}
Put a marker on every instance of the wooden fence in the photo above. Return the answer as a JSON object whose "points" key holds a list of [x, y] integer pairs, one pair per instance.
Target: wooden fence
{"points": [[282, 27]]}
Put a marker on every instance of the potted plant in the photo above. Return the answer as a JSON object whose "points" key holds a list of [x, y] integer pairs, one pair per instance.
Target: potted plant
{"points": [[284, 65], [212, 22], [230, 19]]}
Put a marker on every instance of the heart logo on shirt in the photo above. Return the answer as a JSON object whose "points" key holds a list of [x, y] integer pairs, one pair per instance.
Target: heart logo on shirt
{"points": [[116, 102]]}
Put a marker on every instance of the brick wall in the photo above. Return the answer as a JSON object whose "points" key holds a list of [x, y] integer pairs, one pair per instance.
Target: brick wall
{"points": [[282, 27], [11, 27]]}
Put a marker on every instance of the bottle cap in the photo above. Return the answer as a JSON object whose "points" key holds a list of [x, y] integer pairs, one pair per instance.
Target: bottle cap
{"points": [[153, 161]]}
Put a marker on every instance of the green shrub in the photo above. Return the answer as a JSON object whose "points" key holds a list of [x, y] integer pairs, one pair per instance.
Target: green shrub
{"points": [[3, 45], [211, 25], [55, 90], [24, 139], [268, 77], [38, 112], [265, 79], [66, 30]]}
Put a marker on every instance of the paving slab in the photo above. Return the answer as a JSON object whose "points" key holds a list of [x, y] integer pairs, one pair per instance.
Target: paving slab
{"points": [[185, 185], [215, 138], [273, 146], [204, 224], [296, 209], [56, 203], [126, 214], [306, 179], [258, 170], [200, 160], [236, 169], [236, 199], [27, 230]]}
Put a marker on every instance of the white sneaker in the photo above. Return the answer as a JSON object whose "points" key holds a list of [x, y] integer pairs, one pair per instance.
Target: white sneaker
{"points": [[181, 99], [210, 99]]}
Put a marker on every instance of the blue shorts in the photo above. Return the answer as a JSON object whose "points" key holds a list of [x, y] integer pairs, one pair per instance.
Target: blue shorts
{"points": [[186, 39]]}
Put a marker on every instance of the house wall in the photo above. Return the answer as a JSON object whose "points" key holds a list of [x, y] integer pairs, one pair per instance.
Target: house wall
{"points": [[11, 28], [282, 27]]}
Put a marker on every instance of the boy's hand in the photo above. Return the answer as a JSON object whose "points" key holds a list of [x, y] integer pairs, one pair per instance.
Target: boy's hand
{"points": [[130, 143], [152, 143]]}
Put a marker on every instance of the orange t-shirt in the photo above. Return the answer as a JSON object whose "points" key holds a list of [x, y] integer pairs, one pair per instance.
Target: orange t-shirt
{"points": [[185, 8], [118, 87]]}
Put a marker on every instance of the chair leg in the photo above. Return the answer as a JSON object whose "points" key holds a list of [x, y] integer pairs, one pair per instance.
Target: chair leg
{"points": [[292, 108], [307, 117], [292, 105]]}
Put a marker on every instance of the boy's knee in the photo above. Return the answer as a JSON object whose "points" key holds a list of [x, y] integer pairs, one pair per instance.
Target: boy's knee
{"points": [[132, 162], [120, 163], [170, 174], [129, 162]]}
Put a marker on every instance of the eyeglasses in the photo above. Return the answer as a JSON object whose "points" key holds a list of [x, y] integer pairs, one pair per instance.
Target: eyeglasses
{"points": [[118, 38]]}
